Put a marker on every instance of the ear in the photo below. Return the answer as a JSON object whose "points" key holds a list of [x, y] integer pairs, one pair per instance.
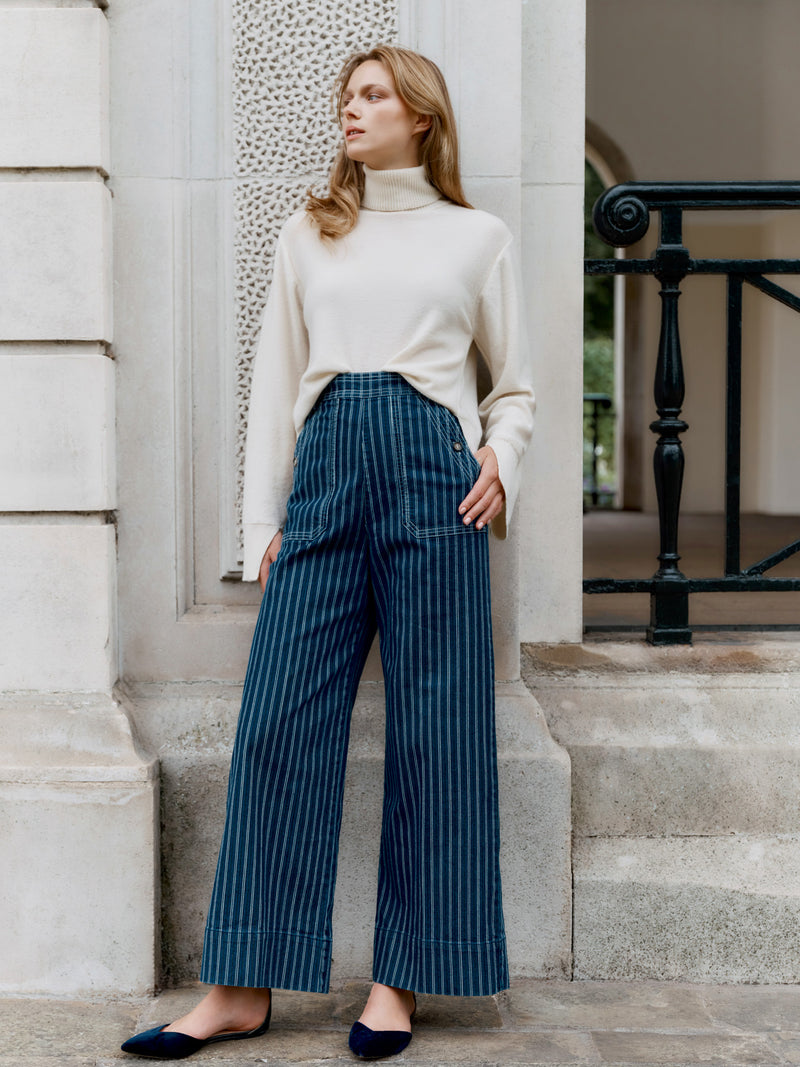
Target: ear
{"points": [[423, 123]]}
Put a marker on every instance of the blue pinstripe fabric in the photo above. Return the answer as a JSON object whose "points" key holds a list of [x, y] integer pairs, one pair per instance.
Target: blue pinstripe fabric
{"points": [[373, 539]]}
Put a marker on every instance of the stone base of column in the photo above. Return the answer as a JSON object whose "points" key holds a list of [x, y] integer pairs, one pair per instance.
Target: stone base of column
{"points": [[192, 726], [78, 836]]}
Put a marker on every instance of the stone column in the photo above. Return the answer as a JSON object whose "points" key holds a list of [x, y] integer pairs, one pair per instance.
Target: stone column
{"points": [[78, 830], [550, 519]]}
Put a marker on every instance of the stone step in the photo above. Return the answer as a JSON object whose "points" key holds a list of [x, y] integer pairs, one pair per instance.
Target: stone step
{"points": [[676, 755], [713, 909]]}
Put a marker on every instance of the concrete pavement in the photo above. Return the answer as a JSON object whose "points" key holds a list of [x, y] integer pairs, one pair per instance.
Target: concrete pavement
{"points": [[536, 1022]]}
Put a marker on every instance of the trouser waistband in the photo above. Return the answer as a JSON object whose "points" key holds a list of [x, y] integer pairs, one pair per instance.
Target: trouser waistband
{"points": [[373, 383]]}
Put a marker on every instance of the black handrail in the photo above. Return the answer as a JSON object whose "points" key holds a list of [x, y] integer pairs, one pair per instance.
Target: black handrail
{"points": [[621, 217]]}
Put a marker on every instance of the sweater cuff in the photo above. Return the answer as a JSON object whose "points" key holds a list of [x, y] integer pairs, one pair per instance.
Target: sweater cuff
{"points": [[257, 536], [508, 469]]}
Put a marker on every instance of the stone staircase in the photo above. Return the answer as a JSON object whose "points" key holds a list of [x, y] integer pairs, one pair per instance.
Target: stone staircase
{"points": [[686, 806]]}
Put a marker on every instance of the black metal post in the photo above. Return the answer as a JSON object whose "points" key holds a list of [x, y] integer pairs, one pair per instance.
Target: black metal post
{"points": [[733, 428], [669, 601]]}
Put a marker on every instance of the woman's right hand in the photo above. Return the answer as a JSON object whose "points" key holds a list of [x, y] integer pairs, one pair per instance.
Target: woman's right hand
{"points": [[269, 557]]}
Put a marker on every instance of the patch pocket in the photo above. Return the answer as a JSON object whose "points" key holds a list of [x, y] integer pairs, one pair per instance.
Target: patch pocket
{"points": [[314, 466], [436, 466]]}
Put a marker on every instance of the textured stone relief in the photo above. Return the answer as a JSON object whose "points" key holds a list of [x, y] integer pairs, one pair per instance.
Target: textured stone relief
{"points": [[285, 59]]}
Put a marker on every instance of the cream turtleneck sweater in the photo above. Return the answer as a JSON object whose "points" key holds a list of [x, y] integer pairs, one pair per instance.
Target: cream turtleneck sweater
{"points": [[417, 287]]}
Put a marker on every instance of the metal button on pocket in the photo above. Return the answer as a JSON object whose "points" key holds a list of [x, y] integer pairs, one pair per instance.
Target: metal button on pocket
{"points": [[457, 446]]}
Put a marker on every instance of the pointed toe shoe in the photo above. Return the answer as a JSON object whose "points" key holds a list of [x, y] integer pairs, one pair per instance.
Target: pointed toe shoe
{"points": [[160, 1045], [377, 1044]]}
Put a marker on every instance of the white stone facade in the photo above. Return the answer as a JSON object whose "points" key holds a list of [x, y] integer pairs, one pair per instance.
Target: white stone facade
{"points": [[78, 800], [148, 154]]}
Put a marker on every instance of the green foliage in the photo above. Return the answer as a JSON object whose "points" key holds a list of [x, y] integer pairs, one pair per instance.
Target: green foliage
{"points": [[598, 365]]}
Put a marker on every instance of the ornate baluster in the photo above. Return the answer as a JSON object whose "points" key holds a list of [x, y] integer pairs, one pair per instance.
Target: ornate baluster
{"points": [[669, 602]]}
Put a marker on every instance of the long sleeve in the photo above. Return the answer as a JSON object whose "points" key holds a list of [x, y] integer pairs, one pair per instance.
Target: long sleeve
{"points": [[281, 357], [506, 412]]}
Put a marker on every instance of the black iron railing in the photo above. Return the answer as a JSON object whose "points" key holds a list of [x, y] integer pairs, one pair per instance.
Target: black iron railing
{"points": [[622, 217]]}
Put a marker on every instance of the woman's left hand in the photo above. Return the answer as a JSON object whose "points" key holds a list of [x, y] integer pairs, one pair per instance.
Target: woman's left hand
{"points": [[485, 500]]}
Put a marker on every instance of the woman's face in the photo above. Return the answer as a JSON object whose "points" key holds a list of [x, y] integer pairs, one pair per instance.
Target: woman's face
{"points": [[379, 129]]}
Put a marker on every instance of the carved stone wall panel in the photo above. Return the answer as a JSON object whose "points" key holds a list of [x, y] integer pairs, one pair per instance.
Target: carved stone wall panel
{"points": [[260, 207], [285, 59]]}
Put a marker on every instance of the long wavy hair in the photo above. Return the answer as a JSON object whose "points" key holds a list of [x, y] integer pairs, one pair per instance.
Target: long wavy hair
{"points": [[421, 86]]}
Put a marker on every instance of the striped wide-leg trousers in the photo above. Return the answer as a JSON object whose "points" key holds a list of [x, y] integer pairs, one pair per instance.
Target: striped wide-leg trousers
{"points": [[373, 540]]}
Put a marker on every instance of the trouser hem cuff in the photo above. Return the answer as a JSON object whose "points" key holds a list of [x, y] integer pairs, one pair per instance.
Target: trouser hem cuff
{"points": [[449, 968], [260, 960]]}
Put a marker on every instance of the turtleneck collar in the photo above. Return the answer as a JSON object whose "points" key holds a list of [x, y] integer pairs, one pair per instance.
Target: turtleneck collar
{"points": [[397, 190]]}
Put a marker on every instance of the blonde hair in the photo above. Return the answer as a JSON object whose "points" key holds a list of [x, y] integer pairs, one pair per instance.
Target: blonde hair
{"points": [[421, 86]]}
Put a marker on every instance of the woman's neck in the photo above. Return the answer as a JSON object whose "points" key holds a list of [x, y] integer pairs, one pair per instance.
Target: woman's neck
{"points": [[397, 190]]}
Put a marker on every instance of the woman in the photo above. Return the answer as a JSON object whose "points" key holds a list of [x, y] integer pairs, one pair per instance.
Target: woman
{"points": [[367, 506]]}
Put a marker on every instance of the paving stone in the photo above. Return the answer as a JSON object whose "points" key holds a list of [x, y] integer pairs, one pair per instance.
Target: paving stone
{"points": [[627, 1024], [62, 1030], [536, 1050], [55, 1060], [443, 1046], [787, 1045], [222, 1060], [754, 1008], [606, 1005], [722, 1050]]}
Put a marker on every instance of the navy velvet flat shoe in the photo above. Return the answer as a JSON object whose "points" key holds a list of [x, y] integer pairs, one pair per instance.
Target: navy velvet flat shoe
{"points": [[158, 1045], [376, 1044]]}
